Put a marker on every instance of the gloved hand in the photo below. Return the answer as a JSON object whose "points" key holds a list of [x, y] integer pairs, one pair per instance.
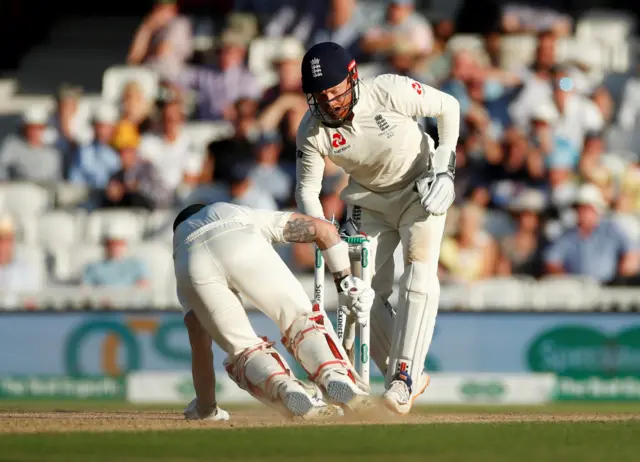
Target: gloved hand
{"points": [[356, 298], [437, 191]]}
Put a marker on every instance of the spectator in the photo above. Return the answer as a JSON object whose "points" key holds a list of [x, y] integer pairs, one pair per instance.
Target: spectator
{"points": [[402, 24], [17, 275], [116, 270], [244, 191], [220, 86], [288, 64], [470, 254], [136, 109], [492, 47], [223, 154], [596, 247], [537, 85], [592, 168], [266, 173], [164, 40], [285, 115], [402, 59], [171, 151], [284, 105], [577, 114], [514, 168], [138, 183], [345, 23], [95, 162], [70, 125], [521, 252], [26, 156], [629, 112], [468, 180]]}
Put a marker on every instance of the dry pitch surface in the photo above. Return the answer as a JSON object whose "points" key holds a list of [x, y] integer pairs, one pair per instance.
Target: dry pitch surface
{"points": [[70, 417], [90, 432]]}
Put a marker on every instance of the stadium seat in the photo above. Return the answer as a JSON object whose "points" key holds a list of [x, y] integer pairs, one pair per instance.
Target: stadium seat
{"points": [[499, 294], [517, 51], [35, 257], [115, 78], [133, 220], [26, 199], [70, 195], [159, 226], [58, 228], [158, 258], [584, 50], [570, 293], [469, 42], [69, 262], [606, 26]]}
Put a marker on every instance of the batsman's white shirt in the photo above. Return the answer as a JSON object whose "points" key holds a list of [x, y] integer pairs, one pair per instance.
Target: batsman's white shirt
{"points": [[225, 250], [223, 216], [382, 148]]}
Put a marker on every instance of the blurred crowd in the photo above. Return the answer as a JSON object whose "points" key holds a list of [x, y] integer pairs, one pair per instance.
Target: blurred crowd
{"points": [[540, 188]]}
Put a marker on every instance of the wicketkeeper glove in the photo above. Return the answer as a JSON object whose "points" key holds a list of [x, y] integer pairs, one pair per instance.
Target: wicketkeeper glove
{"points": [[437, 191], [356, 298]]}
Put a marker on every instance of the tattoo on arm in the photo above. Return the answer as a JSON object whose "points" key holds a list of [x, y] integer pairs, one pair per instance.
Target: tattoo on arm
{"points": [[301, 230]]}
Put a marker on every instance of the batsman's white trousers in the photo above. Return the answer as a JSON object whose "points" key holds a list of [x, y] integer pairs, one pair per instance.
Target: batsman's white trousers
{"points": [[389, 219], [234, 258]]}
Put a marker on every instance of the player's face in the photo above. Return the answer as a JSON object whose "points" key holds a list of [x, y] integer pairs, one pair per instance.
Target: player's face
{"points": [[336, 101]]}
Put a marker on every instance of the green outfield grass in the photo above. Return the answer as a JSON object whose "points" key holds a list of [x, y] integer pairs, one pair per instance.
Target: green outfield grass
{"points": [[584, 442], [614, 441]]}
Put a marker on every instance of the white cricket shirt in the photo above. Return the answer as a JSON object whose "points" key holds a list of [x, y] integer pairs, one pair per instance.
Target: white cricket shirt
{"points": [[382, 148]]}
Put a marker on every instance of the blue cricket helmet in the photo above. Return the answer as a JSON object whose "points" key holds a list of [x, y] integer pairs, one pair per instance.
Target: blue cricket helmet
{"points": [[324, 66]]}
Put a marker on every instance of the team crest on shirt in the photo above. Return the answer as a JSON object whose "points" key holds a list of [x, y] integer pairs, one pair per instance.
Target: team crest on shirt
{"points": [[383, 125], [381, 122]]}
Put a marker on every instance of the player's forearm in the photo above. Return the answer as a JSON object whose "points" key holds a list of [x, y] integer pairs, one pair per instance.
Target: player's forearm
{"points": [[304, 229]]}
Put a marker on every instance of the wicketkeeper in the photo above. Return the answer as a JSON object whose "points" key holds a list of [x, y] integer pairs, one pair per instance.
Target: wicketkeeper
{"points": [[399, 184]]}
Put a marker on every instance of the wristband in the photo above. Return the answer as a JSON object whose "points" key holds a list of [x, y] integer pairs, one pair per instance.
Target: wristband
{"points": [[337, 257]]}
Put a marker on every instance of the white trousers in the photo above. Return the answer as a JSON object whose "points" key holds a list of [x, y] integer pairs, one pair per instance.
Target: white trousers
{"points": [[390, 219], [217, 266]]}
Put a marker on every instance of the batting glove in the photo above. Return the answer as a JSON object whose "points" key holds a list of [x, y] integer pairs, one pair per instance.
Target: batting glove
{"points": [[437, 191], [356, 298]]}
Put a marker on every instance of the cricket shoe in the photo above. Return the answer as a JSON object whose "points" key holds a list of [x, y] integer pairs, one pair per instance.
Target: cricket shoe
{"points": [[305, 401], [342, 390], [215, 414], [400, 395]]}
